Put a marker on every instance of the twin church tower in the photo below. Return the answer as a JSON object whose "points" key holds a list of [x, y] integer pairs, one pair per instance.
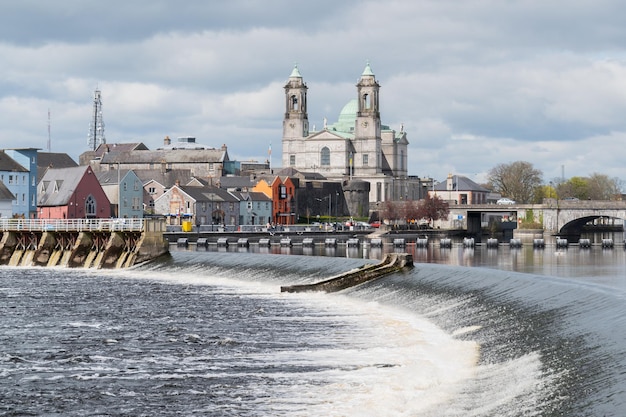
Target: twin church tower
{"points": [[356, 147]]}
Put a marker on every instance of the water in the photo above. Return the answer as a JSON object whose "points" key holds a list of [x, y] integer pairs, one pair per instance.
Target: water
{"points": [[209, 333]]}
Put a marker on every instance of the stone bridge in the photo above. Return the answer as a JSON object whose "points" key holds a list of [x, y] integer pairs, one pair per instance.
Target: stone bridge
{"points": [[562, 217]]}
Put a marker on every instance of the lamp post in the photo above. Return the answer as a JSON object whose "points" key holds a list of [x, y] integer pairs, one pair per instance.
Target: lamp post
{"points": [[329, 196]]}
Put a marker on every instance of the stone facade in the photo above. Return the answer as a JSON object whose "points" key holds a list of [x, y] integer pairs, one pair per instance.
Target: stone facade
{"points": [[357, 147]]}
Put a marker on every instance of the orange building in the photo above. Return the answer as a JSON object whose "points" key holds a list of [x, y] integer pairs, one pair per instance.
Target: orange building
{"points": [[282, 192]]}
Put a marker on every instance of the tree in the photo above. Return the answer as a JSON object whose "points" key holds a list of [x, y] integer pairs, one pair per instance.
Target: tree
{"points": [[601, 187], [408, 210], [432, 209], [595, 187], [389, 211], [518, 180]]}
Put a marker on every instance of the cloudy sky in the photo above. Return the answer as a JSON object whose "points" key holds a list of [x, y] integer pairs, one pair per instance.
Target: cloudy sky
{"points": [[475, 83]]}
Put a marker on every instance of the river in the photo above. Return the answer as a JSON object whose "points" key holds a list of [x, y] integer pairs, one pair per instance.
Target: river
{"points": [[466, 332]]}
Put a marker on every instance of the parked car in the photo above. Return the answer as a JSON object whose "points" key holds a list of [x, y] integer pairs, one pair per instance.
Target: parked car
{"points": [[505, 201], [571, 199], [375, 224]]}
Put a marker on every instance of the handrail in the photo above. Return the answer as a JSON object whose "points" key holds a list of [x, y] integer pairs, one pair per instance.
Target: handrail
{"points": [[72, 225]]}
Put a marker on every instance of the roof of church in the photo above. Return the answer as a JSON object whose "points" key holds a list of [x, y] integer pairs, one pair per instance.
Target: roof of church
{"points": [[296, 72], [347, 118], [368, 70]]}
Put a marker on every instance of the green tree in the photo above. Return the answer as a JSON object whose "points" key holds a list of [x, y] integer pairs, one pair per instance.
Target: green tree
{"points": [[518, 180]]}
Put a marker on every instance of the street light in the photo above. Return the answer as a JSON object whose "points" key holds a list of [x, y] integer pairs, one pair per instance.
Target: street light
{"points": [[329, 201]]}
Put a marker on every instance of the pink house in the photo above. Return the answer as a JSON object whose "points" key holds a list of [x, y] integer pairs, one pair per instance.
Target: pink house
{"points": [[71, 193]]}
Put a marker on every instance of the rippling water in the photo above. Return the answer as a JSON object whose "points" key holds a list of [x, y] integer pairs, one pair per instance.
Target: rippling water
{"points": [[209, 333]]}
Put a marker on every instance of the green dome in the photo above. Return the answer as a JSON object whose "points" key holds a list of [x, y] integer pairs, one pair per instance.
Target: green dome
{"points": [[345, 123]]}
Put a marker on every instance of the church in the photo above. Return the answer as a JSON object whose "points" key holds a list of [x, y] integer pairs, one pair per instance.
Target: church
{"points": [[356, 147]]}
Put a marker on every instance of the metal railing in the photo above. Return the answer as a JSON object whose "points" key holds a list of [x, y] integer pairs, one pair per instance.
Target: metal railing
{"points": [[72, 225]]}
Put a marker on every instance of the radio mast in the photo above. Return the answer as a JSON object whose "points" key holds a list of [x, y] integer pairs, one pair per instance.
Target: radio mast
{"points": [[96, 127]]}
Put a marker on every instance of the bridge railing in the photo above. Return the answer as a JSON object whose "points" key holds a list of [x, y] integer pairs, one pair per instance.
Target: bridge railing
{"points": [[72, 225]]}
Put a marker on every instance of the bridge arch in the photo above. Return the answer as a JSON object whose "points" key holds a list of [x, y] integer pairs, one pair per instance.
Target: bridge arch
{"points": [[575, 227]]}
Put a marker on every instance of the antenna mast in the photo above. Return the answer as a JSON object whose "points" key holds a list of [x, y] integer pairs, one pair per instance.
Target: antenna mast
{"points": [[96, 127], [49, 141]]}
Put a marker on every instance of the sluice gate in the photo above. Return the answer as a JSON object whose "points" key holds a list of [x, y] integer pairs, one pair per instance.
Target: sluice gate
{"points": [[86, 243]]}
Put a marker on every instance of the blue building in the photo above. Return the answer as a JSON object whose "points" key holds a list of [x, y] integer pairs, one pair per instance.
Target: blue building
{"points": [[18, 171], [125, 192]]}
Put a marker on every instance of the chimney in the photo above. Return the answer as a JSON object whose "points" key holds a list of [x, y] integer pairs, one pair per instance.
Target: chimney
{"points": [[178, 183], [449, 183], [167, 141]]}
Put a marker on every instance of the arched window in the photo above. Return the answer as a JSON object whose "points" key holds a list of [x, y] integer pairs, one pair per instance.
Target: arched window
{"points": [[294, 103], [325, 156], [367, 103], [90, 206]]}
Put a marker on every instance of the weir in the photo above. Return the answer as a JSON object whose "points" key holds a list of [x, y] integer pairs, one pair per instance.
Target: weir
{"points": [[86, 243], [392, 262]]}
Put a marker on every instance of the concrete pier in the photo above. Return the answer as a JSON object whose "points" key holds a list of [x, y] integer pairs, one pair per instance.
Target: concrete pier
{"points": [[391, 263], [86, 243]]}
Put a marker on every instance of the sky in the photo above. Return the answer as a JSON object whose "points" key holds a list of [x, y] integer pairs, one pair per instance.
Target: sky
{"points": [[474, 83]]}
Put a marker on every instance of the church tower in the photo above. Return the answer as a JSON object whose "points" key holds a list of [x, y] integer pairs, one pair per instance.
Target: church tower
{"points": [[368, 113], [367, 129], [296, 120]]}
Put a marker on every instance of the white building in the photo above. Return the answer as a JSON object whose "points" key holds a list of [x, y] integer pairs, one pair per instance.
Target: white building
{"points": [[358, 146]]}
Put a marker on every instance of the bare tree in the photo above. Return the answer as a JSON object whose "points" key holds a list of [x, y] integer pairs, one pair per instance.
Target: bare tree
{"points": [[518, 180], [601, 187]]}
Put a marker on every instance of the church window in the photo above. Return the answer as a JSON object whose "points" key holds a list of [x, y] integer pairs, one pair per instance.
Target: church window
{"points": [[367, 102], [294, 103], [292, 160], [325, 156], [90, 207], [365, 159]]}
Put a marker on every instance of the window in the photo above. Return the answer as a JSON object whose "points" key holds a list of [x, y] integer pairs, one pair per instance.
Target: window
{"points": [[125, 186], [136, 185], [294, 103], [325, 156], [10, 179], [33, 181], [152, 190], [365, 159], [367, 103], [136, 203], [292, 160], [90, 206]]}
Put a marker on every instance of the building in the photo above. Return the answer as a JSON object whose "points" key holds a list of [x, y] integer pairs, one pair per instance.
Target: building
{"points": [[254, 208], [124, 190], [457, 189], [157, 181], [6, 201], [71, 193], [356, 147], [282, 191], [202, 161], [18, 171], [199, 205]]}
